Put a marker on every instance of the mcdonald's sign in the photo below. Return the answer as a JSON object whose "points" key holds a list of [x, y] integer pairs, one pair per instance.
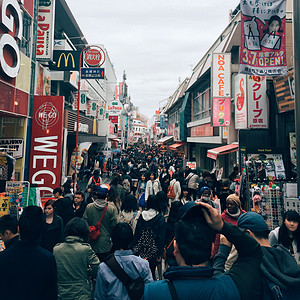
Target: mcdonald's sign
{"points": [[65, 60]]}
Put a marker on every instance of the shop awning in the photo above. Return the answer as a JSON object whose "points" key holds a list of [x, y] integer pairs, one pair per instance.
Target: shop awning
{"points": [[215, 152], [176, 145], [165, 139]]}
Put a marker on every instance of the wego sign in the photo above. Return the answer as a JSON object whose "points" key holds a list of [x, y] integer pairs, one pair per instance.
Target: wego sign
{"points": [[12, 22]]}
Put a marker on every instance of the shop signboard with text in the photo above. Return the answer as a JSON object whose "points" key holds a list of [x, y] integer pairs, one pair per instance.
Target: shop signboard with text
{"points": [[240, 101], [221, 112], [46, 142]]}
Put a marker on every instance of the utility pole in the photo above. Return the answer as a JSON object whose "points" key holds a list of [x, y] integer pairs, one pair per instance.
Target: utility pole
{"points": [[296, 23]]}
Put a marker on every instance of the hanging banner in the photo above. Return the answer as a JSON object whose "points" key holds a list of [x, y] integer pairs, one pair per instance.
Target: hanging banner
{"points": [[240, 100], [257, 102], [46, 142], [83, 100], [91, 108], [263, 44], [221, 75], [45, 32], [221, 112]]}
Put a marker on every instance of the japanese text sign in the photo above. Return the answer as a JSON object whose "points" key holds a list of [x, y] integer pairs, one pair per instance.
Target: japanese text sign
{"points": [[257, 102], [240, 98], [263, 45], [221, 112]]}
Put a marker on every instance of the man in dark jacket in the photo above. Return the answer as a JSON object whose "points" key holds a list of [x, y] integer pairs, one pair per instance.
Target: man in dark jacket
{"points": [[30, 271], [63, 205], [9, 230], [193, 278]]}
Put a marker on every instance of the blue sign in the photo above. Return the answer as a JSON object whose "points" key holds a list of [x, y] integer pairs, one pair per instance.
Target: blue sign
{"points": [[162, 122], [92, 73]]}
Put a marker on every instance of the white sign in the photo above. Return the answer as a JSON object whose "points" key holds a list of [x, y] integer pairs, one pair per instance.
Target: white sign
{"points": [[191, 164], [91, 108], [240, 101], [81, 128], [225, 132], [220, 75], [13, 25], [45, 32], [114, 106], [83, 100], [13, 147], [257, 102]]}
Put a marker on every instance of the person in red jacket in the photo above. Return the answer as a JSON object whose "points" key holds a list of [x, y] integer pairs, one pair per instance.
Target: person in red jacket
{"points": [[233, 209]]}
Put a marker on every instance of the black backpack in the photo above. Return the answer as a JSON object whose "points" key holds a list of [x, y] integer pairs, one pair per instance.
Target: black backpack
{"points": [[146, 247], [134, 287]]}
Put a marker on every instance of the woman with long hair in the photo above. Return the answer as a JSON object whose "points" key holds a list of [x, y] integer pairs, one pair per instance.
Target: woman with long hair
{"points": [[288, 234], [141, 185], [153, 186], [113, 197]]}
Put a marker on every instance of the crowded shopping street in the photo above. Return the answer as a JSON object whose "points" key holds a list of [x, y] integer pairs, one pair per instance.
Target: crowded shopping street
{"points": [[148, 150]]}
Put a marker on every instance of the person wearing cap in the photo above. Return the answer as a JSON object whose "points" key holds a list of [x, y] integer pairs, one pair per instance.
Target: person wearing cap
{"points": [[193, 278], [92, 215], [278, 266], [206, 196]]}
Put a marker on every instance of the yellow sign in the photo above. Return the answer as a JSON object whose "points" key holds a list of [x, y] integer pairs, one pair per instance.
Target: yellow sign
{"points": [[66, 57], [4, 205]]}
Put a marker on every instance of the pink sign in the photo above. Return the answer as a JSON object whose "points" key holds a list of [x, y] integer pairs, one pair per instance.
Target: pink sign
{"points": [[221, 112], [263, 32]]}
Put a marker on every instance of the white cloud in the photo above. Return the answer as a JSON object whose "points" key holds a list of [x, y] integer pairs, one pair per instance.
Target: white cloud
{"points": [[155, 41]]}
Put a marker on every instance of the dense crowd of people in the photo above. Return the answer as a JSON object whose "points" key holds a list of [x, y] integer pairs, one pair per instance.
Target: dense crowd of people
{"points": [[143, 225]]}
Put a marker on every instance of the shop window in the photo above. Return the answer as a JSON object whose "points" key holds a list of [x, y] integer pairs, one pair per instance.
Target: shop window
{"points": [[202, 105], [24, 43]]}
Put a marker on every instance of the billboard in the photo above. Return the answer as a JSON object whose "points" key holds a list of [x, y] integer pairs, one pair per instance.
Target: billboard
{"points": [[46, 142], [221, 112], [263, 38], [64, 60]]}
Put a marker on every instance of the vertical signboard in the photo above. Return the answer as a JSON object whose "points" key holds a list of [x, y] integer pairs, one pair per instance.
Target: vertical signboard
{"points": [[91, 108], [240, 101], [221, 75], [221, 112], [46, 142], [82, 102], [263, 34], [257, 102], [45, 32]]}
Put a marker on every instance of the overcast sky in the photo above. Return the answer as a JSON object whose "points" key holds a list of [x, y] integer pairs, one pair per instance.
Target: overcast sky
{"points": [[155, 41]]}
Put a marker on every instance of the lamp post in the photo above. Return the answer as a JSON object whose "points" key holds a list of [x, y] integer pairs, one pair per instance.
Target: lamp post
{"points": [[78, 103]]}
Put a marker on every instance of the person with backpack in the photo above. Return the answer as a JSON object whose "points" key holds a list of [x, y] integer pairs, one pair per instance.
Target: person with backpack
{"points": [[126, 181], [108, 285], [95, 179], [149, 238], [192, 181], [175, 185]]}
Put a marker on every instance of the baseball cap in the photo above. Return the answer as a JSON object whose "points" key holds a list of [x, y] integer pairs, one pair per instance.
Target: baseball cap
{"points": [[203, 189], [191, 210], [252, 221], [103, 190]]}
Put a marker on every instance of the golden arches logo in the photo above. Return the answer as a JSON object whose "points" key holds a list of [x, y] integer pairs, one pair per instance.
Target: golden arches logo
{"points": [[66, 57]]}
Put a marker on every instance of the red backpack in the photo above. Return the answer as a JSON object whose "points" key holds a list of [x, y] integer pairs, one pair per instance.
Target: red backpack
{"points": [[171, 193]]}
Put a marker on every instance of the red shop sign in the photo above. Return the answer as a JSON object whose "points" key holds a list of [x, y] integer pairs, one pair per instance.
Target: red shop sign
{"points": [[46, 142]]}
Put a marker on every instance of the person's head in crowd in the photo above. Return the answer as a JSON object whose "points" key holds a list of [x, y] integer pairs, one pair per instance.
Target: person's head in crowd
{"points": [[165, 169], [57, 193], [185, 191], [102, 191], [152, 176], [49, 208], [143, 177], [174, 211], [129, 204], [225, 184], [233, 204], [96, 173], [78, 198], [115, 180], [112, 195], [206, 176], [121, 236], [31, 224], [193, 237], [8, 227], [256, 226], [66, 188], [205, 194], [289, 228], [163, 202], [187, 170], [153, 203], [77, 227]]}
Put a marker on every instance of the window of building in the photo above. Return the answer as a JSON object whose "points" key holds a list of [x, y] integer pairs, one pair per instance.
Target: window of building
{"points": [[24, 43], [202, 105]]}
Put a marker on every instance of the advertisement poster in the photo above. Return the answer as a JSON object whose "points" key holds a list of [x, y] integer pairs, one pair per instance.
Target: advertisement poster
{"points": [[42, 81], [191, 164], [240, 99], [45, 35], [257, 102], [83, 148], [263, 37], [292, 136], [13, 147], [221, 112], [46, 142], [4, 205], [221, 75]]}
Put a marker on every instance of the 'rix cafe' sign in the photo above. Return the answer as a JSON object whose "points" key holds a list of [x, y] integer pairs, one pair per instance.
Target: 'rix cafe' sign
{"points": [[10, 31]]}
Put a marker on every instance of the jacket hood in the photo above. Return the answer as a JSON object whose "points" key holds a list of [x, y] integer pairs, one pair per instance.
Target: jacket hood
{"points": [[149, 214], [73, 239], [280, 267], [99, 203]]}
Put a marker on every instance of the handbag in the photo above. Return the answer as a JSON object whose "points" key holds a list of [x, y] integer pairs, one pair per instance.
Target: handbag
{"points": [[142, 201], [134, 287], [95, 230]]}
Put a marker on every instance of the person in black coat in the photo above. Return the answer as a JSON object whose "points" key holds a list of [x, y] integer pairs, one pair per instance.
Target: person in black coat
{"points": [[30, 271], [52, 232], [63, 205]]}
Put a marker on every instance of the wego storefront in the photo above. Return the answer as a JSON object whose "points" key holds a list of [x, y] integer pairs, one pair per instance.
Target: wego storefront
{"points": [[15, 70]]}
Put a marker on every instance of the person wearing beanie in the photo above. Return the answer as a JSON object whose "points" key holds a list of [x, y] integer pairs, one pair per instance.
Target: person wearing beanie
{"points": [[233, 209], [279, 270], [206, 196], [92, 216]]}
